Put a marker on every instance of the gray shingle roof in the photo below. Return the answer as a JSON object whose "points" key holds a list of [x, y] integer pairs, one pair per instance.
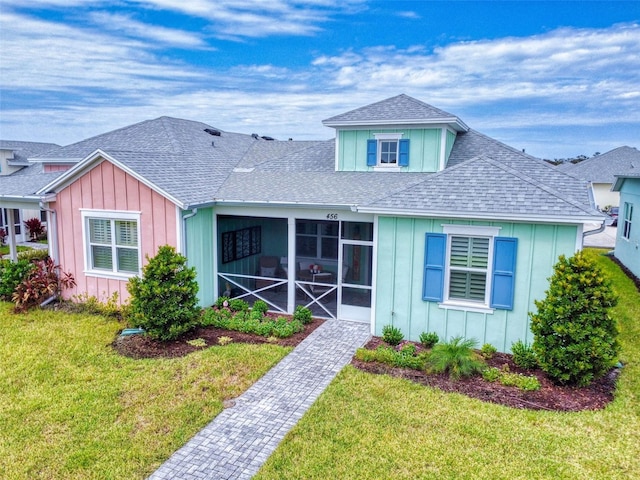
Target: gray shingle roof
{"points": [[483, 185], [26, 181], [483, 175], [399, 109], [23, 150], [603, 168]]}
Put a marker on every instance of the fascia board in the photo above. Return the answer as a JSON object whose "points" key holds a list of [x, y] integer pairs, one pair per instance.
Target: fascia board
{"points": [[456, 122], [54, 160], [19, 201], [485, 216]]}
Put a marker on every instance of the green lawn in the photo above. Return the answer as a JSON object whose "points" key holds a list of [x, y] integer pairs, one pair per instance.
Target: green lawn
{"points": [[373, 427], [72, 408], [4, 249]]}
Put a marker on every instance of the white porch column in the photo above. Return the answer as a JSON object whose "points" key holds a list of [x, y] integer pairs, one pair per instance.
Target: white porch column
{"points": [[11, 234], [291, 262]]}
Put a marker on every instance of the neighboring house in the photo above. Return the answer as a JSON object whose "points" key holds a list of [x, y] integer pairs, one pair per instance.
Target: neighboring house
{"points": [[409, 217], [601, 170], [628, 237], [14, 161]]}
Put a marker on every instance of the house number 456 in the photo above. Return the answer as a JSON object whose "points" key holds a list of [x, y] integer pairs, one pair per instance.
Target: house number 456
{"points": [[332, 216]]}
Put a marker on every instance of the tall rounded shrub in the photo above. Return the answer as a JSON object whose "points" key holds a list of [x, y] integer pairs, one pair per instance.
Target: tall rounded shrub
{"points": [[575, 338], [163, 301]]}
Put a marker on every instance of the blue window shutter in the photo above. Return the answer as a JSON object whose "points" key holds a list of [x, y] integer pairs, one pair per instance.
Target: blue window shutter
{"points": [[503, 274], [372, 155], [434, 259], [403, 161]]}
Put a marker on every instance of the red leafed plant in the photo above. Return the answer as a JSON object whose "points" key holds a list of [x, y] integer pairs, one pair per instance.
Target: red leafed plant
{"points": [[36, 229], [43, 282], [3, 235]]}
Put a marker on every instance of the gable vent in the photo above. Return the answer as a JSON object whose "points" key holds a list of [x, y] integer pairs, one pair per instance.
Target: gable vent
{"points": [[211, 131]]}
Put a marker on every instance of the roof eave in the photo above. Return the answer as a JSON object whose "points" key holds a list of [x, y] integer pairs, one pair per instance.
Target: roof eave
{"points": [[453, 122], [55, 160], [19, 201], [515, 217]]}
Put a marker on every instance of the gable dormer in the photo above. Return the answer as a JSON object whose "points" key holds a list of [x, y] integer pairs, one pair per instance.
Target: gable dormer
{"points": [[400, 134]]}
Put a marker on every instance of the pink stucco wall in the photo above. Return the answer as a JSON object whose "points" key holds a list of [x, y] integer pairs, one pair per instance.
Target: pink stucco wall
{"points": [[107, 187]]}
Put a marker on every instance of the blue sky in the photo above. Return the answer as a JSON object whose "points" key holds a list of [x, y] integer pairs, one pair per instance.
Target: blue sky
{"points": [[558, 79]]}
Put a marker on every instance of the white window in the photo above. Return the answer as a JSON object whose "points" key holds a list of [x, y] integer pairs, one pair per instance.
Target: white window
{"points": [[468, 264], [388, 149], [112, 246], [626, 220], [317, 239], [468, 268]]}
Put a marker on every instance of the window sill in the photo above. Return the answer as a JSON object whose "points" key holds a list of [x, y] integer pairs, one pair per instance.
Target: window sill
{"points": [[466, 307], [390, 168], [109, 275]]}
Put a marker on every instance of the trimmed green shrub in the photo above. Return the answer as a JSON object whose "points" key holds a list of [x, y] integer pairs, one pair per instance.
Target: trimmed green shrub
{"points": [[428, 340], [260, 306], [163, 301], [220, 302], [456, 357], [404, 358], [523, 355], [488, 351], [302, 314], [575, 338], [34, 255], [238, 305], [523, 382], [251, 322], [11, 275], [392, 335]]}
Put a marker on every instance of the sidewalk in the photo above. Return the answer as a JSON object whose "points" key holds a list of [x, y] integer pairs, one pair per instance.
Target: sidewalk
{"points": [[241, 438]]}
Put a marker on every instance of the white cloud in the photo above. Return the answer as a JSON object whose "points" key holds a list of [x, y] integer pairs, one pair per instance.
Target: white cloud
{"points": [[133, 28], [64, 57]]}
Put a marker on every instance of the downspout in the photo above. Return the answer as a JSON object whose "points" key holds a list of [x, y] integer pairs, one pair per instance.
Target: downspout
{"points": [[53, 230], [193, 213], [597, 230]]}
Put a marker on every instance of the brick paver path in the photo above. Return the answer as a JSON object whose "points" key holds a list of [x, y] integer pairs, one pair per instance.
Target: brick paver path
{"points": [[241, 438]]}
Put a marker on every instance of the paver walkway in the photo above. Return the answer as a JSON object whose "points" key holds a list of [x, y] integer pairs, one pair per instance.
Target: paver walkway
{"points": [[241, 438]]}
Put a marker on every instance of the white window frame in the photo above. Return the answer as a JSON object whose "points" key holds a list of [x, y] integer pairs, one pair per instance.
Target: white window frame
{"points": [[113, 216], [318, 237], [469, 231], [627, 220], [387, 137]]}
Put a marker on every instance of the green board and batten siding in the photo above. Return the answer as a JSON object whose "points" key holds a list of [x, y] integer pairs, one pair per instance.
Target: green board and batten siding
{"points": [[400, 281], [200, 247], [451, 138], [200, 252], [424, 152], [628, 250]]}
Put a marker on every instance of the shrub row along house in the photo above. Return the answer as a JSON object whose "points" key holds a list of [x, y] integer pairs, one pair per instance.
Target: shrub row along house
{"points": [[407, 217]]}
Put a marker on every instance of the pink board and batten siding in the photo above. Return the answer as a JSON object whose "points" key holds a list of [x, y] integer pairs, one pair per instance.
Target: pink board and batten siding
{"points": [[49, 168], [107, 187]]}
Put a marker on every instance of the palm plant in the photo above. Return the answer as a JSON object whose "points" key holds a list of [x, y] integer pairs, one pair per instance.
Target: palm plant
{"points": [[456, 357]]}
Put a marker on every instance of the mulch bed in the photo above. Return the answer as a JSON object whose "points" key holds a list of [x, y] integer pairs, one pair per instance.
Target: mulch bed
{"points": [[549, 397], [140, 346]]}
